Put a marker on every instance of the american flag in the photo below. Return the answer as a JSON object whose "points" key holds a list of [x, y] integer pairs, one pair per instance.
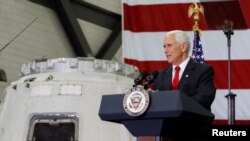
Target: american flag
{"points": [[197, 53], [145, 23]]}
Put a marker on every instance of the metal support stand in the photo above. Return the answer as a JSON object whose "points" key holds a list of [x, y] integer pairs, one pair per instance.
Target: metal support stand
{"points": [[228, 31]]}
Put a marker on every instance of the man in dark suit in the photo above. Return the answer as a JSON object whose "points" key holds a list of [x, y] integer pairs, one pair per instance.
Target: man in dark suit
{"points": [[194, 79]]}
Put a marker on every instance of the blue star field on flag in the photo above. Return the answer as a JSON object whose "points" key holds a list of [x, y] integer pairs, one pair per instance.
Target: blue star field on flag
{"points": [[197, 53]]}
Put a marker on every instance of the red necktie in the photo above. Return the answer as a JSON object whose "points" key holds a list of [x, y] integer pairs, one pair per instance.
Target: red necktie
{"points": [[176, 78]]}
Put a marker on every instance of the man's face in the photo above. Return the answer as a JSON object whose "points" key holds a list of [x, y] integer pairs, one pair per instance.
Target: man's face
{"points": [[174, 51]]}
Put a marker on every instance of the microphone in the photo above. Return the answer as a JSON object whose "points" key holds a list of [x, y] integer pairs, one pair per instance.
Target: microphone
{"points": [[150, 79], [140, 78]]}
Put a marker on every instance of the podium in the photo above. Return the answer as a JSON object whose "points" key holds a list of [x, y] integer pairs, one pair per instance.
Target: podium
{"points": [[170, 114]]}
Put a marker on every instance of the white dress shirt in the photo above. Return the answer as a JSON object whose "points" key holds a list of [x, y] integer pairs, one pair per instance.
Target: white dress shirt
{"points": [[182, 66]]}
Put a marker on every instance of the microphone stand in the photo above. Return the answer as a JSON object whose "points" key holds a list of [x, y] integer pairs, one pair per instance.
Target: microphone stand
{"points": [[228, 31]]}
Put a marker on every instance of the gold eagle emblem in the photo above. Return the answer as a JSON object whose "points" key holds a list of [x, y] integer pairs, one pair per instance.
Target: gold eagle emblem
{"points": [[194, 10]]}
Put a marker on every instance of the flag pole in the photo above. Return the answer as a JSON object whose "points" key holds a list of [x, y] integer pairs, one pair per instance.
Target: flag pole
{"points": [[194, 11], [228, 31]]}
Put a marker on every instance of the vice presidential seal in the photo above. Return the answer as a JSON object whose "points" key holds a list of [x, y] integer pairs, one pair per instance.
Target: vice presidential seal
{"points": [[136, 101]]}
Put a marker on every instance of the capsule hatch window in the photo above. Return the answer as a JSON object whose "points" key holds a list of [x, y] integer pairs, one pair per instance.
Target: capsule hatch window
{"points": [[53, 127]]}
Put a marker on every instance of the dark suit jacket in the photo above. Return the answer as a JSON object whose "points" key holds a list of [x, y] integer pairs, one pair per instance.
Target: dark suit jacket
{"points": [[197, 82]]}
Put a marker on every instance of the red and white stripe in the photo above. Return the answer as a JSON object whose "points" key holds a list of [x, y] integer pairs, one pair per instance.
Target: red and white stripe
{"points": [[145, 22]]}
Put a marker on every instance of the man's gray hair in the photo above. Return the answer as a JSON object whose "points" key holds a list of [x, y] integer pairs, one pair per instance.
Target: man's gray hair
{"points": [[180, 36]]}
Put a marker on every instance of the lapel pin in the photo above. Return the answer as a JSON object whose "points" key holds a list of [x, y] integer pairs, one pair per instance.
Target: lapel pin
{"points": [[186, 75]]}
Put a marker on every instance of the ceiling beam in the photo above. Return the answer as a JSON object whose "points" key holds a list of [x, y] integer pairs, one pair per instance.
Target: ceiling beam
{"points": [[111, 45], [95, 14], [104, 18], [73, 29], [70, 10]]}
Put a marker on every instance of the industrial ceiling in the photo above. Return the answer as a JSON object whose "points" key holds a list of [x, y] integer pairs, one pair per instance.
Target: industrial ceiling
{"points": [[93, 27]]}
